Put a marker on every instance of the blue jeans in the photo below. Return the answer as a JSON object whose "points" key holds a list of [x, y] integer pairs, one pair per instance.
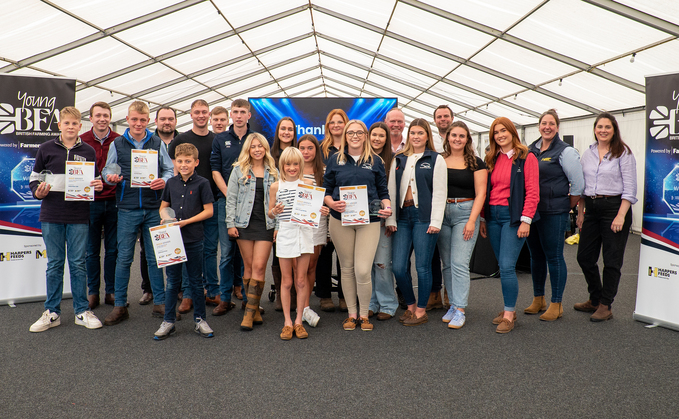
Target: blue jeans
{"points": [[383, 299], [56, 237], [545, 243], [506, 246], [456, 251], [194, 268], [210, 242], [129, 223], [230, 262], [411, 232], [103, 214]]}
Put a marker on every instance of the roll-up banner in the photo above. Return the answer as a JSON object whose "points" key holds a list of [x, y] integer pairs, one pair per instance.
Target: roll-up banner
{"points": [[658, 283], [29, 111], [309, 113]]}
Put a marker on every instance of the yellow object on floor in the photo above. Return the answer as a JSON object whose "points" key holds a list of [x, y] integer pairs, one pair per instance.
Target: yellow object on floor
{"points": [[574, 239]]}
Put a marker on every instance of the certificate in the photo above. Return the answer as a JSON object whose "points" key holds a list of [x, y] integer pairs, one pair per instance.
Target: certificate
{"points": [[79, 175], [168, 244], [144, 168], [307, 207], [356, 210]]}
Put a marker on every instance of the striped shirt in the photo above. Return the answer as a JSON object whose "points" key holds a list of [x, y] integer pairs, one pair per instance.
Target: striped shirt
{"points": [[286, 195]]}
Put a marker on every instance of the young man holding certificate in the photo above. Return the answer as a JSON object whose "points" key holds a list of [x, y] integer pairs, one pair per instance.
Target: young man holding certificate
{"points": [[63, 178], [144, 167]]}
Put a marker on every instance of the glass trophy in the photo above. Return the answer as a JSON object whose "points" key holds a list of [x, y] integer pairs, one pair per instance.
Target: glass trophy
{"points": [[47, 177], [375, 207], [167, 216], [111, 169]]}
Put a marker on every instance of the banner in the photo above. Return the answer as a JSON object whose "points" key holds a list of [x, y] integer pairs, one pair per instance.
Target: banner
{"points": [[29, 111], [309, 113], [658, 283]]}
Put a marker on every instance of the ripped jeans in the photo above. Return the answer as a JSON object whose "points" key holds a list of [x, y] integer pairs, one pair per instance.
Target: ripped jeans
{"points": [[383, 298]]}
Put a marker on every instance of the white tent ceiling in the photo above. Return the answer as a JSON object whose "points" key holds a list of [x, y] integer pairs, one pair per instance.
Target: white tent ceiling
{"points": [[485, 58]]}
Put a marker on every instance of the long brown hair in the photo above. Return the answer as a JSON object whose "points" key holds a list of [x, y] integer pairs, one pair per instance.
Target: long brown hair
{"points": [[276, 146], [328, 141], [468, 152], [317, 163], [386, 154], [520, 150], [618, 146], [422, 123]]}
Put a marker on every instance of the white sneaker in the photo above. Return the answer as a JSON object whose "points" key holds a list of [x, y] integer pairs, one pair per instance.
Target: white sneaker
{"points": [[203, 329], [310, 316], [165, 330], [46, 321], [88, 319]]}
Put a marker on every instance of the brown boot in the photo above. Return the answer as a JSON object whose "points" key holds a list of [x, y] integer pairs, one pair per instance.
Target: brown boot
{"points": [[602, 313], [434, 301], [158, 311], [276, 272], [255, 289], [222, 308], [213, 301], [343, 305], [537, 305], [238, 292], [185, 306], [554, 312], [258, 316], [587, 306], [446, 300], [116, 316], [93, 301], [327, 305]]}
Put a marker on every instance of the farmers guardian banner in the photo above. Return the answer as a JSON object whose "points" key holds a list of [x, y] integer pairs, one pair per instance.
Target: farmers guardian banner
{"points": [[29, 111], [658, 284]]}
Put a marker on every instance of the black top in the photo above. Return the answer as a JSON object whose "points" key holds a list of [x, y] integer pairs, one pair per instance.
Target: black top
{"points": [[461, 181], [204, 145], [187, 200]]}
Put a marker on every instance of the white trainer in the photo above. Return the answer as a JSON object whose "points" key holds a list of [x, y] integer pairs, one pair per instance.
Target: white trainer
{"points": [[165, 330], [203, 329], [310, 316], [88, 319], [46, 321]]}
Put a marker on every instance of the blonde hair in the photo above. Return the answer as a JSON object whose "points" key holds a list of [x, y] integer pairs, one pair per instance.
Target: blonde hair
{"points": [[291, 155], [367, 152], [70, 111], [139, 107], [422, 123], [245, 160]]}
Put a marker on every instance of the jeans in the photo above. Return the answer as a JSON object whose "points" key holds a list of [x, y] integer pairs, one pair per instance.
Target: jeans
{"points": [[545, 243], [57, 237], [506, 246], [210, 242], [129, 223], [383, 298], [230, 262], [103, 214], [596, 233], [456, 251], [412, 233], [194, 268]]}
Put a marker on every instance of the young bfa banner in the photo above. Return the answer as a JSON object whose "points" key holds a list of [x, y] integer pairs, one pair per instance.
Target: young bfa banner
{"points": [[309, 114], [658, 284], [29, 111]]}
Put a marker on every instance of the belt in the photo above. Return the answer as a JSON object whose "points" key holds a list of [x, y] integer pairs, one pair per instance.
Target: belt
{"points": [[456, 200], [408, 203], [603, 196]]}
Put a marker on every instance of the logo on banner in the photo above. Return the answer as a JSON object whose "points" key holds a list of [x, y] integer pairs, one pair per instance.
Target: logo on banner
{"points": [[31, 115], [661, 273], [664, 122], [10, 256], [40, 254]]}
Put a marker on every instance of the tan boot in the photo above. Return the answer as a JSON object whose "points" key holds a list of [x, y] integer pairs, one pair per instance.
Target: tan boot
{"points": [[537, 306], [434, 301], [602, 313], [254, 293], [446, 300], [554, 312]]}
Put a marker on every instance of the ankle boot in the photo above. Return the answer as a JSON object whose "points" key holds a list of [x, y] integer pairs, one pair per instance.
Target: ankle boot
{"points": [[276, 273], [537, 306], [554, 312], [255, 289]]}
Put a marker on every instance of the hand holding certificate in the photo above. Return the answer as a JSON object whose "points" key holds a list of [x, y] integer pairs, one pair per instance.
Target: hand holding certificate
{"points": [[168, 244], [356, 210], [79, 180], [144, 168], [306, 209]]}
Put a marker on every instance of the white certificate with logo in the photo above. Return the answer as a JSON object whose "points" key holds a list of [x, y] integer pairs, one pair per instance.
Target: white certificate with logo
{"points": [[356, 211], [77, 178], [307, 207], [168, 244], [144, 168]]}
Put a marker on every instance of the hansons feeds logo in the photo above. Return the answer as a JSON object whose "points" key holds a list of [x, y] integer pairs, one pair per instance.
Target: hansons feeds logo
{"points": [[33, 115], [664, 121], [661, 273]]}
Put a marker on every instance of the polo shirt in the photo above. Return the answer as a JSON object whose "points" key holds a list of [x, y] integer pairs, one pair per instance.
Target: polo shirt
{"points": [[187, 198]]}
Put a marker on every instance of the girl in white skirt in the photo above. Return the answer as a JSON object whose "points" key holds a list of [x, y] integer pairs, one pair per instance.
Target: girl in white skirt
{"points": [[294, 242]]}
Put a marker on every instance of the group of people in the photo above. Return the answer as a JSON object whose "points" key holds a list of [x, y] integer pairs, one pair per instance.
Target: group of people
{"points": [[434, 196]]}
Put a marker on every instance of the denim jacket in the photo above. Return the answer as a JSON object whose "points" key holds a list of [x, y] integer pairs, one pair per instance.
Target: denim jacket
{"points": [[240, 195]]}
